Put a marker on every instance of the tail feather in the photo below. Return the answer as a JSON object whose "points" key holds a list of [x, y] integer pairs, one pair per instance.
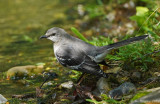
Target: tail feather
{"points": [[124, 42]]}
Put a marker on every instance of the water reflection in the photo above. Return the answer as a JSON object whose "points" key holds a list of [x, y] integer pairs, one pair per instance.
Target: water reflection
{"points": [[21, 24]]}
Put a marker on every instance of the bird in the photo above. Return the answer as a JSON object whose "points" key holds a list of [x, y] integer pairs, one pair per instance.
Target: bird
{"points": [[76, 54]]}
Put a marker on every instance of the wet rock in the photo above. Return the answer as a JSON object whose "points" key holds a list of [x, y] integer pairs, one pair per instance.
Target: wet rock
{"points": [[102, 87], [157, 74], [136, 75], [48, 83], [151, 97], [3, 100], [153, 89], [67, 85], [19, 72], [124, 89]]}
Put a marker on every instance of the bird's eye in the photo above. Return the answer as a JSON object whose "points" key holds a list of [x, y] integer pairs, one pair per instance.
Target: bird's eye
{"points": [[53, 34]]}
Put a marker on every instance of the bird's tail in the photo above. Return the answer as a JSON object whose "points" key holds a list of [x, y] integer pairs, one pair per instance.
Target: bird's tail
{"points": [[124, 42]]}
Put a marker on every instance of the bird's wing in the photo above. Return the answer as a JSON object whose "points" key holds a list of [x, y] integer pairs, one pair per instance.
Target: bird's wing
{"points": [[79, 61], [90, 66]]}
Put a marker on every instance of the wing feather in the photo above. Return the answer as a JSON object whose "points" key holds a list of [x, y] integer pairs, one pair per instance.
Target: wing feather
{"points": [[79, 61]]}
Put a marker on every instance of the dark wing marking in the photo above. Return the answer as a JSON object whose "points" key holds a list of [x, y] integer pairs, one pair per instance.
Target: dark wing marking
{"points": [[91, 67], [78, 60], [68, 61]]}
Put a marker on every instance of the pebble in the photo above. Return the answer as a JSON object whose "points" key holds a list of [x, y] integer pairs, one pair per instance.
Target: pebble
{"points": [[67, 85]]}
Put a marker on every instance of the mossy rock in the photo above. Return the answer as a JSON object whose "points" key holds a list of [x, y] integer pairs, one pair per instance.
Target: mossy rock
{"points": [[23, 71], [139, 95]]}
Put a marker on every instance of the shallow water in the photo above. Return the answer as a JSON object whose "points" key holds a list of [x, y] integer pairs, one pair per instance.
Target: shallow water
{"points": [[21, 25]]}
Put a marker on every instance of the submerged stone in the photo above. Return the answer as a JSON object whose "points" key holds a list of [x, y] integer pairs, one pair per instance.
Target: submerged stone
{"points": [[20, 72]]}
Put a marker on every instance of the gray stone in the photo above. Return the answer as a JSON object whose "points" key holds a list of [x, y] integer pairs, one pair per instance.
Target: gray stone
{"points": [[102, 85], [2, 99], [48, 83], [151, 97], [136, 75], [67, 85], [124, 89]]}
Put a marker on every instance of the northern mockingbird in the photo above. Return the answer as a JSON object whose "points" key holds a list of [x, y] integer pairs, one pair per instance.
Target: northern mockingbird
{"points": [[76, 54]]}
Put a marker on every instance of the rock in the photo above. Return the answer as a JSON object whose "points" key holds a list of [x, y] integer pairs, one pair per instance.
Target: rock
{"points": [[124, 89], [136, 75], [153, 89], [19, 71], [111, 16], [23, 71], [151, 97], [48, 83], [2, 99], [67, 85], [157, 74], [102, 85]]}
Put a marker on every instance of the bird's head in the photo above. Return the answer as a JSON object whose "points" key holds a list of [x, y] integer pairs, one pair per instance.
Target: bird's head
{"points": [[54, 34]]}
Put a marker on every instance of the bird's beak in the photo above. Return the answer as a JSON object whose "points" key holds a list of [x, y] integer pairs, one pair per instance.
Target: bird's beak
{"points": [[43, 37]]}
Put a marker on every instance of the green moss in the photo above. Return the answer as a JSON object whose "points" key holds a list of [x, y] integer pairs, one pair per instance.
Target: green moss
{"points": [[139, 95]]}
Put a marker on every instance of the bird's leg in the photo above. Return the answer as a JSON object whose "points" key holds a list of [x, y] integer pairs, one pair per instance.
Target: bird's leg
{"points": [[78, 88], [45, 81], [81, 78]]}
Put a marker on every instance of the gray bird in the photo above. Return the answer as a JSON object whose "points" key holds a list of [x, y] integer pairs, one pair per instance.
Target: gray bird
{"points": [[76, 54]]}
